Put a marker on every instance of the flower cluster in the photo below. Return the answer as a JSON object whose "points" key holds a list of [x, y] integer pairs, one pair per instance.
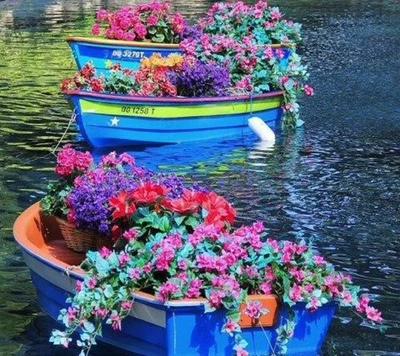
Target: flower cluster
{"points": [[184, 248], [152, 21], [83, 79], [238, 20], [258, 48], [85, 193], [198, 79], [152, 76], [70, 165]]}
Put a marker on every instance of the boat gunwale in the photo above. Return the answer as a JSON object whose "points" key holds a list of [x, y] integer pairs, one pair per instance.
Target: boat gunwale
{"points": [[172, 100], [145, 44]]}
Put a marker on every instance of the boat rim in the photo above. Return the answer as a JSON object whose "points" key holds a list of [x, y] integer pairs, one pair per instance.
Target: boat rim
{"points": [[147, 44], [173, 100]]}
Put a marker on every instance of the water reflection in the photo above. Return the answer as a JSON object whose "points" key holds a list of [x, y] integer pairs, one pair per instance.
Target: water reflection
{"points": [[336, 179]]}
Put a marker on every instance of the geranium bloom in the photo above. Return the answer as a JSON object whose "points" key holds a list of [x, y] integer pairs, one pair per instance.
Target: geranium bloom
{"points": [[148, 192], [121, 206]]}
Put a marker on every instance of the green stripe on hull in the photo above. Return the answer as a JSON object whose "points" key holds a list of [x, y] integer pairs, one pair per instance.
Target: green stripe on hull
{"points": [[180, 110]]}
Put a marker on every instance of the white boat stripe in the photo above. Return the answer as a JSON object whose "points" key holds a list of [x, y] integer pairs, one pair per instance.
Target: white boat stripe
{"points": [[62, 280]]}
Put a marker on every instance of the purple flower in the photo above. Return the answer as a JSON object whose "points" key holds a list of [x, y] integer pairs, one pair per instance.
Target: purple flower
{"points": [[201, 79]]}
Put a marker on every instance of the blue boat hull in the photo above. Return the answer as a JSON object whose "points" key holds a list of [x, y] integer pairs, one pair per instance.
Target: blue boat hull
{"points": [[179, 328], [128, 54], [115, 120]]}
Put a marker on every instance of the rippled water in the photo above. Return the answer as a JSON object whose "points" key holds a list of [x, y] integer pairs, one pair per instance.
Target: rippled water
{"points": [[336, 179]]}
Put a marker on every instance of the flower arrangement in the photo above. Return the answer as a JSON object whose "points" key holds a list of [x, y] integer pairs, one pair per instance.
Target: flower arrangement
{"points": [[234, 49], [237, 20], [70, 165], [152, 22], [82, 196], [183, 246]]}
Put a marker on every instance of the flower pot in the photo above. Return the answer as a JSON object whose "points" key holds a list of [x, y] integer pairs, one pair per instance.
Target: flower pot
{"points": [[81, 240], [127, 53]]}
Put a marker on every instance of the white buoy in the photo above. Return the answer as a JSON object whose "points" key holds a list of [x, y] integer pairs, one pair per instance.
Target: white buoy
{"points": [[261, 129]]}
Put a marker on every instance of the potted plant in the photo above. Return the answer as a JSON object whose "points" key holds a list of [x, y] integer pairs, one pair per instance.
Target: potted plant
{"points": [[79, 200], [183, 248]]}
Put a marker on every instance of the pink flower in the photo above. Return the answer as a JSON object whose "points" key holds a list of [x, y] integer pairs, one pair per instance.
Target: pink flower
{"points": [[152, 20], [318, 260], [100, 312], [240, 351], [275, 13], [115, 321], [194, 288], [253, 309], [126, 304], [230, 326], [373, 314], [96, 29], [347, 297], [265, 287], [274, 244], [363, 303], [295, 293], [79, 285], [130, 234], [104, 252], [123, 258], [313, 304], [216, 297], [134, 273], [308, 90], [91, 283], [167, 290], [205, 261]]}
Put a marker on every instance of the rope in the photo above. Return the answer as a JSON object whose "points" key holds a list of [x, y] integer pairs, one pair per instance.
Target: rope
{"points": [[52, 152], [71, 120]]}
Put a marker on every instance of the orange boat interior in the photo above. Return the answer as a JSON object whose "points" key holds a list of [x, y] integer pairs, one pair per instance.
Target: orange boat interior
{"points": [[40, 234]]}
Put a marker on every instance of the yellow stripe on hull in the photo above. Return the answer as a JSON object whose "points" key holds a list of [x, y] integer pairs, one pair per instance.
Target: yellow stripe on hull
{"points": [[177, 111]]}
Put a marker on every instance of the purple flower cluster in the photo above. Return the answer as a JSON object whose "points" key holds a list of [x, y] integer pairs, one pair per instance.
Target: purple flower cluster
{"points": [[88, 200], [192, 32], [199, 80]]}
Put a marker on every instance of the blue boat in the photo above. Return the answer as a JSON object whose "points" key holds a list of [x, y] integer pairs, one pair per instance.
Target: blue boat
{"points": [[179, 328], [127, 53], [110, 120]]}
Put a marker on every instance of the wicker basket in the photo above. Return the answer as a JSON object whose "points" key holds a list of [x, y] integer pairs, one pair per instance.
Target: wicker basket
{"points": [[82, 240]]}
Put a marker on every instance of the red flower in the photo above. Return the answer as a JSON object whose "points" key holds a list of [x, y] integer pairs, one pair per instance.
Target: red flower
{"points": [[67, 84], [96, 85], [219, 210], [148, 193], [122, 206], [181, 206], [87, 71]]}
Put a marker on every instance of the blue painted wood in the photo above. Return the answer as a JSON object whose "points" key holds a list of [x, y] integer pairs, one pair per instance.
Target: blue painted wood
{"points": [[127, 55], [98, 130], [189, 331]]}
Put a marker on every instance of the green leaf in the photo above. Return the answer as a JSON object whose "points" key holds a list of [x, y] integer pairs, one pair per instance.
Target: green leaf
{"points": [[102, 267], [159, 38], [108, 291]]}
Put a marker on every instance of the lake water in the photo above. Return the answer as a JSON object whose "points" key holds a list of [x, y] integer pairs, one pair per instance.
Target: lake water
{"points": [[336, 179]]}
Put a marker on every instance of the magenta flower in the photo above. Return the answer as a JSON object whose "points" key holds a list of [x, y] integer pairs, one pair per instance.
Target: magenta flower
{"points": [[308, 90], [253, 309], [373, 314]]}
